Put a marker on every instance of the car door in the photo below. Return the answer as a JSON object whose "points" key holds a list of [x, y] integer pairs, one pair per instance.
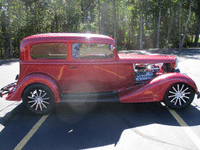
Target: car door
{"points": [[92, 69]]}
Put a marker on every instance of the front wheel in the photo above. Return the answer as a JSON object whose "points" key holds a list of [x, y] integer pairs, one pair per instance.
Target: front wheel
{"points": [[38, 99], [179, 96]]}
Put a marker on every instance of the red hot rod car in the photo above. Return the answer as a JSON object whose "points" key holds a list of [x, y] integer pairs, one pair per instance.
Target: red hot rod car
{"points": [[72, 67]]}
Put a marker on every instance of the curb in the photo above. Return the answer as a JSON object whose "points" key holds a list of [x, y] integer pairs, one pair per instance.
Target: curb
{"points": [[4, 61]]}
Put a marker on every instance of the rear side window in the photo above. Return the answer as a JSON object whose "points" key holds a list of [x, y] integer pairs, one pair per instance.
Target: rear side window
{"points": [[49, 51], [91, 51]]}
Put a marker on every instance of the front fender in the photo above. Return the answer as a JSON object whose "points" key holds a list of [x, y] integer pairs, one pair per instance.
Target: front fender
{"points": [[16, 94], [155, 89]]}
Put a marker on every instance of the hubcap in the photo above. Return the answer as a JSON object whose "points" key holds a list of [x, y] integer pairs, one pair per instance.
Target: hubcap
{"points": [[179, 95], [38, 100]]}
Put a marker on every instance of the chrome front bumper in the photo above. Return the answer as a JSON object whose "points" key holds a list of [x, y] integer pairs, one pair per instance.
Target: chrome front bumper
{"points": [[7, 89]]}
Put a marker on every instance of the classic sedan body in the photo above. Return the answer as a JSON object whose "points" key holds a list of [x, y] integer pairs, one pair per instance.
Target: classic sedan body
{"points": [[74, 67]]}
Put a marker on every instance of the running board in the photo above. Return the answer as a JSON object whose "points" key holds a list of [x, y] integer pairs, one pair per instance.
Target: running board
{"points": [[90, 97]]}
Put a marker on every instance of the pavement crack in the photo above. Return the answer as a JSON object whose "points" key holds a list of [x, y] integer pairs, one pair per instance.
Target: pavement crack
{"points": [[12, 104]]}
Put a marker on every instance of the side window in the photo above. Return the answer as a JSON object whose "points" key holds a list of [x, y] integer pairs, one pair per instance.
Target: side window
{"points": [[49, 51], [91, 51]]}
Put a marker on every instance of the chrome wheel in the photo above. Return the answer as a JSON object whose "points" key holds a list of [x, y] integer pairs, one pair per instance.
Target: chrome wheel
{"points": [[38, 98], [179, 95]]}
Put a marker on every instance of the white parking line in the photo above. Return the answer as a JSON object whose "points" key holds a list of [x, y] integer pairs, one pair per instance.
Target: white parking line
{"points": [[187, 129], [23, 142]]}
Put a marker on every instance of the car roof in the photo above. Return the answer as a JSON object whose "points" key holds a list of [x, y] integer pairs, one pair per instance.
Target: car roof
{"points": [[70, 35], [62, 37]]}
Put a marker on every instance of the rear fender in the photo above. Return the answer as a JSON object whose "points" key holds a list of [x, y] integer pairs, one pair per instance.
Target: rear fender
{"points": [[17, 93], [155, 89]]}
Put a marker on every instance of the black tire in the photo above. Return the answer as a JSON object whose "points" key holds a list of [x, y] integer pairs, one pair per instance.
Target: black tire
{"points": [[38, 98], [179, 96]]}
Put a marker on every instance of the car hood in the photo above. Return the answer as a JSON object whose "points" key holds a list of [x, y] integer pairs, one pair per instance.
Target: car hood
{"points": [[135, 58]]}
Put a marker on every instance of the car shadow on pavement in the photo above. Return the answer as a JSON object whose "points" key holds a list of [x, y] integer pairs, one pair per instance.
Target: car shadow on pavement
{"points": [[86, 125]]}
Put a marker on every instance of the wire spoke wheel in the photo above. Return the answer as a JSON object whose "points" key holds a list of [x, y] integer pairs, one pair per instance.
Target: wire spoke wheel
{"points": [[38, 98], [179, 95]]}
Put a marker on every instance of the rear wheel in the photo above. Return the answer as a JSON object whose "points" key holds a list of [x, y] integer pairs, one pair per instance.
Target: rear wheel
{"points": [[179, 96], [38, 99]]}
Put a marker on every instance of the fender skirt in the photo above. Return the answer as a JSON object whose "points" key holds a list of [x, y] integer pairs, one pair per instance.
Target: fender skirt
{"points": [[16, 94], [155, 89]]}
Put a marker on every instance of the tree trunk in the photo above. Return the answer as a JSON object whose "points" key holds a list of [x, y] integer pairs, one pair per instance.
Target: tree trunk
{"points": [[179, 29], [56, 20], [141, 27], [103, 18], [169, 29], [158, 34], [27, 16], [99, 14], [132, 30], [186, 24], [115, 23], [10, 38], [197, 33], [3, 26]]}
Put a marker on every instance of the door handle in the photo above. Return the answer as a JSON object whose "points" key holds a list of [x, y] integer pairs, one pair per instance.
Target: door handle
{"points": [[73, 67]]}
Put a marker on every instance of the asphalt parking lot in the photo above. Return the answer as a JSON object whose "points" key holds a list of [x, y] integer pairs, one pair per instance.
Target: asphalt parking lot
{"points": [[105, 125]]}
